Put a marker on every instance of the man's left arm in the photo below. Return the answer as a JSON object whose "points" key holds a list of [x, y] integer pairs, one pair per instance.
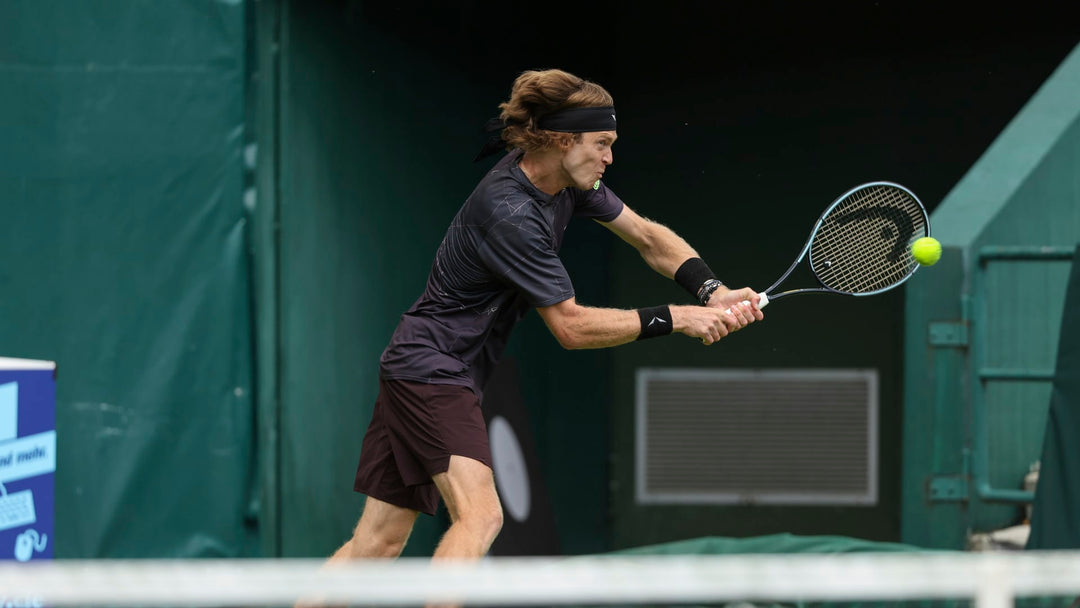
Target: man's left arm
{"points": [[662, 249], [666, 252]]}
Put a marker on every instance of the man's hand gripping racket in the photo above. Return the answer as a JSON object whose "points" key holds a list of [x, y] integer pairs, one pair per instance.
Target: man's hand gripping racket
{"points": [[861, 244]]}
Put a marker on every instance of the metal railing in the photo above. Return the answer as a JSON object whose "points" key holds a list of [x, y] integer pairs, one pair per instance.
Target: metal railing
{"points": [[984, 489]]}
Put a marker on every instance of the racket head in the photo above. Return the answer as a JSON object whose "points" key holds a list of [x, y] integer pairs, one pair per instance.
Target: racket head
{"points": [[862, 242]]}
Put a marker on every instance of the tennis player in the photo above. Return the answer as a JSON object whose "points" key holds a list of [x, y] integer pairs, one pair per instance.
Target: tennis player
{"points": [[500, 257]]}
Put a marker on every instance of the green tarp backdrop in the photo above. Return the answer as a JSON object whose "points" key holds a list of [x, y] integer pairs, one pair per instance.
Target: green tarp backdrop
{"points": [[124, 259]]}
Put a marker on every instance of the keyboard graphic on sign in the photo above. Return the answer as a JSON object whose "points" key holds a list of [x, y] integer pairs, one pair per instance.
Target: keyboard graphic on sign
{"points": [[16, 508]]}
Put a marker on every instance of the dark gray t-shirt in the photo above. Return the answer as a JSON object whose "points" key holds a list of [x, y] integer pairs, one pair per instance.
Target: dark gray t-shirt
{"points": [[498, 259]]}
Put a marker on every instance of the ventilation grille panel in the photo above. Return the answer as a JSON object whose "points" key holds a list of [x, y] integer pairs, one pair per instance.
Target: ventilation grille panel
{"points": [[757, 436]]}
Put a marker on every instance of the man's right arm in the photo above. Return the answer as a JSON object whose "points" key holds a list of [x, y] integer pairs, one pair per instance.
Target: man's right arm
{"points": [[578, 327]]}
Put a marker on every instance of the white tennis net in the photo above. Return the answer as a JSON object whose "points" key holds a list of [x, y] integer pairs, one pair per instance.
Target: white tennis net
{"points": [[992, 580]]}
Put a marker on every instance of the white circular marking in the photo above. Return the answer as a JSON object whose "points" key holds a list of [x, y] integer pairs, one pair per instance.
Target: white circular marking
{"points": [[511, 474]]}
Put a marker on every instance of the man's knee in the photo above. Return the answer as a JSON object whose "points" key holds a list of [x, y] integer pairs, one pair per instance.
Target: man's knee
{"points": [[382, 544], [487, 520], [383, 529], [378, 541], [494, 519]]}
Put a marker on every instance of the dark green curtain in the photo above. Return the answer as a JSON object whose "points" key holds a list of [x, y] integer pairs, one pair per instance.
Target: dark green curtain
{"points": [[124, 259]]}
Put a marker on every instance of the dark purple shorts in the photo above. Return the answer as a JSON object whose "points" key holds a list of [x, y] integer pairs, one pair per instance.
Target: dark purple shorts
{"points": [[414, 429]]}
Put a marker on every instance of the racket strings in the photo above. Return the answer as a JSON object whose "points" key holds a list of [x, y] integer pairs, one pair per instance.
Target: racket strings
{"points": [[864, 243]]}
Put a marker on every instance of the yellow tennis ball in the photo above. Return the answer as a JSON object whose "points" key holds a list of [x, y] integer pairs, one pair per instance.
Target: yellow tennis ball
{"points": [[927, 251]]}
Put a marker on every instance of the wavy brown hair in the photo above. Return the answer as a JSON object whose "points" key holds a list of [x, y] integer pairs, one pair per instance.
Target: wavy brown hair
{"points": [[539, 92]]}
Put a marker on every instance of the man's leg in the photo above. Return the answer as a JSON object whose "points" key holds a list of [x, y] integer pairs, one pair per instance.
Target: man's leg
{"points": [[382, 531], [468, 489]]}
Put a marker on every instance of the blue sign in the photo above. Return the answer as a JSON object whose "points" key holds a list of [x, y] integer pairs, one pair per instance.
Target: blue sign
{"points": [[27, 458]]}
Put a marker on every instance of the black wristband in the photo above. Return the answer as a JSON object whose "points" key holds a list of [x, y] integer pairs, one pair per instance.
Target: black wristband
{"points": [[655, 322], [692, 275]]}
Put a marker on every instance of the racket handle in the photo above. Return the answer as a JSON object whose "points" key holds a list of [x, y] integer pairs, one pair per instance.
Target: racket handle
{"points": [[761, 303]]}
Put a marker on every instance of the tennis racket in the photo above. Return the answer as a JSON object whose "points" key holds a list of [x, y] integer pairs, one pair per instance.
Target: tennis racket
{"points": [[861, 244]]}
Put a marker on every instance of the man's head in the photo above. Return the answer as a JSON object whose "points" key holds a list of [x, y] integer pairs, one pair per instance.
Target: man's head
{"points": [[550, 108], [554, 111]]}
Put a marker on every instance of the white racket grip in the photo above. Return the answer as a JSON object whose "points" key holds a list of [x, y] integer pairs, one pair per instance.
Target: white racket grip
{"points": [[761, 304]]}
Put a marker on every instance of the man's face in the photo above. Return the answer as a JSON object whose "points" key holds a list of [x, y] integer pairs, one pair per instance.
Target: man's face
{"points": [[587, 159]]}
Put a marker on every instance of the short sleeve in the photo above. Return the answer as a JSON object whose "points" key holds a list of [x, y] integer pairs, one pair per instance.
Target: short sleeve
{"points": [[518, 249], [599, 203]]}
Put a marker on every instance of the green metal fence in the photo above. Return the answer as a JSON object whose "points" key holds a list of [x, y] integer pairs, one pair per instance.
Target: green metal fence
{"points": [[1016, 305], [982, 326]]}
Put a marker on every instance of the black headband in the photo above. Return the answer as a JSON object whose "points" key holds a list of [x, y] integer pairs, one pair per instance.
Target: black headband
{"points": [[579, 120], [572, 120]]}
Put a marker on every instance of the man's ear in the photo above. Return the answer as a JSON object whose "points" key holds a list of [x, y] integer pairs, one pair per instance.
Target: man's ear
{"points": [[565, 143]]}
